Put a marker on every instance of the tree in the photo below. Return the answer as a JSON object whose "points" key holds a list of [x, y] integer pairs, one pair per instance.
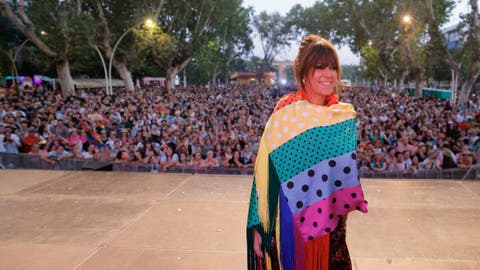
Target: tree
{"points": [[275, 33], [10, 42], [183, 27], [114, 18], [229, 40], [373, 29], [61, 22], [365, 26], [464, 63]]}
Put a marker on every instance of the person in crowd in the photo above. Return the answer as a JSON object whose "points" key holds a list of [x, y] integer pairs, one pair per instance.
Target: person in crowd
{"points": [[399, 164], [378, 162], [182, 161], [170, 159], [92, 153], [210, 161], [390, 159], [60, 130], [448, 157], [467, 160], [122, 157], [106, 153], [235, 161], [196, 160], [10, 143], [433, 161], [250, 163], [57, 155], [29, 140], [421, 154]]}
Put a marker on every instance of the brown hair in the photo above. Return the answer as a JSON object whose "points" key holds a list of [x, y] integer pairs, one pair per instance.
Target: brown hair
{"points": [[314, 50]]}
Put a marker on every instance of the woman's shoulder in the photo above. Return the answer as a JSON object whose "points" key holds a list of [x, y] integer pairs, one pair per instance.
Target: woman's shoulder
{"points": [[286, 100], [343, 106]]}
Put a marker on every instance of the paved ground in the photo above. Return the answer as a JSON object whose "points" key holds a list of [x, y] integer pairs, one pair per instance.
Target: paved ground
{"points": [[116, 220]]}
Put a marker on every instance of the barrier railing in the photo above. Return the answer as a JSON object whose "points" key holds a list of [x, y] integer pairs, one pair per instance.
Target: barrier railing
{"points": [[26, 161]]}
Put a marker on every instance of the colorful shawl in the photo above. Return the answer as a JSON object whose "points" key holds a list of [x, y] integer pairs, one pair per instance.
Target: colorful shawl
{"points": [[305, 180]]}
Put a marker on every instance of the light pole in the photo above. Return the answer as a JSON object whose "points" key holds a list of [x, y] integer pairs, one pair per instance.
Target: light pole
{"points": [[103, 64], [408, 21], [150, 24]]}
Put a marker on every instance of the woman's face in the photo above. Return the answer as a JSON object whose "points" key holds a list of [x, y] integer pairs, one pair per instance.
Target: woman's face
{"points": [[321, 80]]}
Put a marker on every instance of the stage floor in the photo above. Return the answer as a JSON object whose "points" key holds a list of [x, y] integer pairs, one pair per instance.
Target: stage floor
{"points": [[117, 220]]}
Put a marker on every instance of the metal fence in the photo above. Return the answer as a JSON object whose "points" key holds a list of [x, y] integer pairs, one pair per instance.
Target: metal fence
{"points": [[26, 161]]}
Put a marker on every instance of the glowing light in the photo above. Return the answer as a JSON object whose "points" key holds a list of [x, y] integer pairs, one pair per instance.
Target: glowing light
{"points": [[149, 23], [407, 19], [283, 81]]}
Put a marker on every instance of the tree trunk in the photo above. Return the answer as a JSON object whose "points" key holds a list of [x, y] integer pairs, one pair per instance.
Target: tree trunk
{"points": [[418, 86], [466, 89], [454, 86], [124, 73], [418, 82], [214, 75], [171, 74], [64, 77], [399, 86]]}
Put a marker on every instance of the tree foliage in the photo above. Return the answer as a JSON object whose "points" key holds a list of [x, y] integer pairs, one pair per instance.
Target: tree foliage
{"points": [[214, 32], [391, 48], [275, 33]]}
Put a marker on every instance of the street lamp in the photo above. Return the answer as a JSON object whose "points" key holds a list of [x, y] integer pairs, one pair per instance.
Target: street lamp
{"points": [[149, 24], [407, 20]]}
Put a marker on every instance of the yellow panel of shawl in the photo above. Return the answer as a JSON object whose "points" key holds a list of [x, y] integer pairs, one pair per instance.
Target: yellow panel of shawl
{"points": [[302, 115], [261, 180], [284, 125]]}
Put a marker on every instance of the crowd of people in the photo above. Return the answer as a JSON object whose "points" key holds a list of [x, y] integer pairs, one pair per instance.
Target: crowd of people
{"points": [[216, 127]]}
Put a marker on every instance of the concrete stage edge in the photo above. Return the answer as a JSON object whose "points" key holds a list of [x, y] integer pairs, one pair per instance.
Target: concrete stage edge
{"points": [[117, 220]]}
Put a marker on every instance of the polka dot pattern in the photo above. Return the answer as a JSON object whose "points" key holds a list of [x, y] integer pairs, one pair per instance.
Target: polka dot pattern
{"points": [[313, 146], [322, 217], [320, 181], [253, 219], [289, 113]]}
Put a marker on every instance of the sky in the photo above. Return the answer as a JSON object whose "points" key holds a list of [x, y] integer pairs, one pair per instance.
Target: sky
{"points": [[345, 54]]}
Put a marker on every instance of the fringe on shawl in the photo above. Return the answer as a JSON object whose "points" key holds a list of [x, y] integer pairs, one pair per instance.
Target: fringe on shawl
{"points": [[263, 182]]}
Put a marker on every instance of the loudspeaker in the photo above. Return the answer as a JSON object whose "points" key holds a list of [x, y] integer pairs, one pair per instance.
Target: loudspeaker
{"points": [[98, 166]]}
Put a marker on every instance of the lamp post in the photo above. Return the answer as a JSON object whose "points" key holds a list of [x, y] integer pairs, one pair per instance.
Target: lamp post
{"points": [[407, 20], [148, 23]]}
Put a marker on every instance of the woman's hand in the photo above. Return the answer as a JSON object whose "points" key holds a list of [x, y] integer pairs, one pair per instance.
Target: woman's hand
{"points": [[257, 244]]}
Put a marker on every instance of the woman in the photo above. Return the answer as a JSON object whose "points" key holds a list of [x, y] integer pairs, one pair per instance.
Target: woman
{"points": [[235, 161], [182, 161], [171, 158], [306, 179]]}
